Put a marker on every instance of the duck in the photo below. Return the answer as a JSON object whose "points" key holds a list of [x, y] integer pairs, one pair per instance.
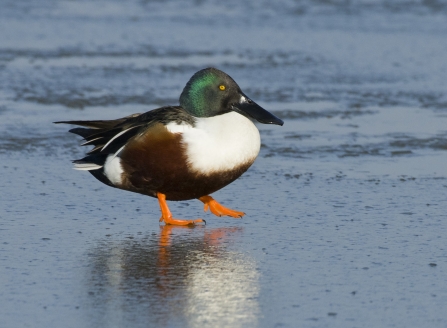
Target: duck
{"points": [[178, 153]]}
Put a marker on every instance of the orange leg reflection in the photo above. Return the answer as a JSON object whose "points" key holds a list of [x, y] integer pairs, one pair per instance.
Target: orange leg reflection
{"points": [[172, 259], [218, 209], [213, 237]]}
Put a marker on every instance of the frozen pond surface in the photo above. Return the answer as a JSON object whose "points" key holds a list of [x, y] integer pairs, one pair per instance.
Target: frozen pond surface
{"points": [[346, 219]]}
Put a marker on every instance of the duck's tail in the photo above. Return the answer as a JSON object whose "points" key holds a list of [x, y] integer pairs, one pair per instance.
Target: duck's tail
{"points": [[108, 139]]}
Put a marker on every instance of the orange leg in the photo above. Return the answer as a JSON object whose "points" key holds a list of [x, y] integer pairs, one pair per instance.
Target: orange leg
{"points": [[166, 215], [218, 209]]}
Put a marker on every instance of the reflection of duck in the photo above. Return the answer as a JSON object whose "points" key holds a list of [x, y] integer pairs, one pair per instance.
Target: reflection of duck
{"points": [[182, 277], [179, 152]]}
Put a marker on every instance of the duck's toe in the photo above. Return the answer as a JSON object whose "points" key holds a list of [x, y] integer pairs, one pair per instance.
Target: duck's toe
{"points": [[218, 209], [172, 221]]}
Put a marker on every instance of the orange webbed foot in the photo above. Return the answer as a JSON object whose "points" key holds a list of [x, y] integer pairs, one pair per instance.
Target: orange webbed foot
{"points": [[166, 215], [172, 221], [218, 209]]}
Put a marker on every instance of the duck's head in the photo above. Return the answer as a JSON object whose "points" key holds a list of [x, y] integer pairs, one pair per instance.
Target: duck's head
{"points": [[211, 92]]}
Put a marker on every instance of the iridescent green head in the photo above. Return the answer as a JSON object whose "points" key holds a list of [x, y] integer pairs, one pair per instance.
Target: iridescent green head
{"points": [[211, 92]]}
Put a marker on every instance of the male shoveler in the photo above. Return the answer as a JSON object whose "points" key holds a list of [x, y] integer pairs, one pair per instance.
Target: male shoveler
{"points": [[179, 152]]}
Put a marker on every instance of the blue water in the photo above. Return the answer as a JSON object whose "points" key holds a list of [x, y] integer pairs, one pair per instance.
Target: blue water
{"points": [[346, 204]]}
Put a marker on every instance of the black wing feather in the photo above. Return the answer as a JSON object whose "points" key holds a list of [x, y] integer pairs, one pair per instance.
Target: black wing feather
{"points": [[83, 132], [100, 133]]}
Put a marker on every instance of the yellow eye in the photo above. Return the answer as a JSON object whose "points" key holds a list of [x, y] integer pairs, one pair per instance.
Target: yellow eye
{"points": [[222, 87]]}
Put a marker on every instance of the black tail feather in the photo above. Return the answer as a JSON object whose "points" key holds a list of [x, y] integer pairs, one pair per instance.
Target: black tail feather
{"points": [[83, 132], [102, 124], [99, 174], [98, 159]]}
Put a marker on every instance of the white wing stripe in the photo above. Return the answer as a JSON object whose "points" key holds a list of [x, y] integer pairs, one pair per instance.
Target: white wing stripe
{"points": [[87, 142], [116, 136], [87, 166]]}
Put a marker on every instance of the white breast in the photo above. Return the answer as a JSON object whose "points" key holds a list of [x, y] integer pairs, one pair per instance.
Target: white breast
{"points": [[219, 143]]}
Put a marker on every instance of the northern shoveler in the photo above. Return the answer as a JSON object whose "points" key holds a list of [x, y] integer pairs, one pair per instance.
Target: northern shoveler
{"points": [[179, 152]]}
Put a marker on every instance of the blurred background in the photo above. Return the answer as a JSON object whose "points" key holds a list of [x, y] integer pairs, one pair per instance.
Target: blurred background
{"points": [[346, 204]]}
